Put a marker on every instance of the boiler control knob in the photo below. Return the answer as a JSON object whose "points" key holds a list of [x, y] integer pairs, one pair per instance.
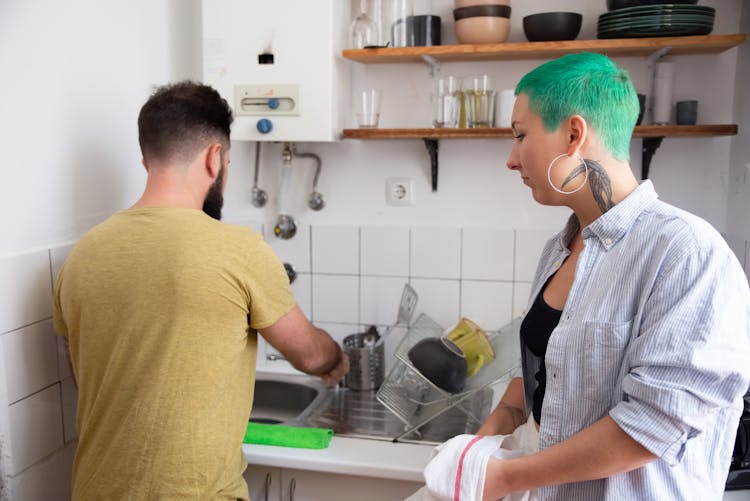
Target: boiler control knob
{"points": [[273, 103], [264, 126]]}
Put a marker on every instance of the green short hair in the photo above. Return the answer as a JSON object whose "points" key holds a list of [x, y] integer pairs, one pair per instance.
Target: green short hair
{"points": [[585, 84]]}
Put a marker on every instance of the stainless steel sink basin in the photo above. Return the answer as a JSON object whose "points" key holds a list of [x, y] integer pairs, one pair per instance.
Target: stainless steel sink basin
{"points": [[285, 399], [303, 401]]}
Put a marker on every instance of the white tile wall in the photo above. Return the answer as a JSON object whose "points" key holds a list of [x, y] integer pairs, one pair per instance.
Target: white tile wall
{"points": [[295, 251], [521, 291], [529, 245], [489, 304], [385, 251], [30, 359], [379, 299], [335, 249], [339, 331], [25, 292], [36, 428], [436, 252], [336, 298], [48, 480], [487, 254], [439, 299]]}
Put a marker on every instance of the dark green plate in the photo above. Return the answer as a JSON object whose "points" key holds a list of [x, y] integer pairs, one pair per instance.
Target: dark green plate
{"points": [[676, 30], [655, 20], [631, 12]]}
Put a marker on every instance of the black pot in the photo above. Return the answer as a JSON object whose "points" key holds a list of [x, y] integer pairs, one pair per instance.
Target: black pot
{"points": [[441, 362]]}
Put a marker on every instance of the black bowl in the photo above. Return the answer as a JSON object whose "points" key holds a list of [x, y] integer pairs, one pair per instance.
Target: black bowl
{"points": [[441, 362], [552, 26], [623, 4]]}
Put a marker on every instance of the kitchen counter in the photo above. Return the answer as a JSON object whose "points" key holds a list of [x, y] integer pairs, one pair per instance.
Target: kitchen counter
{"points": [[352, 456]]}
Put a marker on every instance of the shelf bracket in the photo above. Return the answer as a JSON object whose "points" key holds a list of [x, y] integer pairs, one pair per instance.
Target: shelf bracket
{"points": [[650, 145], [434, 64], [432, 149]]}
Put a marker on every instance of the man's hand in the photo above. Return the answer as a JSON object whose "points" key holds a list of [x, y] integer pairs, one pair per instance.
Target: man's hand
{"points": [[335, 375]]}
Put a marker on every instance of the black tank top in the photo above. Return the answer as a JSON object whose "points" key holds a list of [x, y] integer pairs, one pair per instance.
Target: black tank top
{"points": [[536, 329]]}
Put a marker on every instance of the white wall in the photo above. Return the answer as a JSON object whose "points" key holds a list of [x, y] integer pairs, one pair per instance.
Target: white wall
{"points": [[75, 73]]}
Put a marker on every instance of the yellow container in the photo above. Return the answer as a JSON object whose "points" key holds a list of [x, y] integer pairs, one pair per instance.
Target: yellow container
{"points": [[473, 341]]}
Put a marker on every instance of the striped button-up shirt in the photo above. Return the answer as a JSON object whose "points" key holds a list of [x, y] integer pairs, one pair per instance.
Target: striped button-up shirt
{"points": [[656, 333]]}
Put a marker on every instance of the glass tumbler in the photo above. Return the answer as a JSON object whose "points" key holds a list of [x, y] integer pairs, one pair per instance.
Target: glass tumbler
{"points": [[480, 102], [367, 108], [447, 102]]}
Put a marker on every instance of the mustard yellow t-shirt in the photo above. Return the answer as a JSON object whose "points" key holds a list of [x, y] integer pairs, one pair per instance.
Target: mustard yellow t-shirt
{"points": [[160, 307]]}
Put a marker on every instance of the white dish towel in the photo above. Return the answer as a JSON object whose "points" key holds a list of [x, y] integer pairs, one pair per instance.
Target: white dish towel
{"points": [[458, 467]]}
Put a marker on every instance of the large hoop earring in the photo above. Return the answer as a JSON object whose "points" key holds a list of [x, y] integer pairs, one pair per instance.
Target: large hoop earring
{"points": [[549, 178]]}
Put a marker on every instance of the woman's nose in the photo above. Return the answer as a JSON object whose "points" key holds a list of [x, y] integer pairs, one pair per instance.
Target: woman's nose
{"points": [[512, 162]]}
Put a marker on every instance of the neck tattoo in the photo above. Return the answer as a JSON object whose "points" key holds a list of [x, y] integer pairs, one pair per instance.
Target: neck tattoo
{"points": [[601, 185]]}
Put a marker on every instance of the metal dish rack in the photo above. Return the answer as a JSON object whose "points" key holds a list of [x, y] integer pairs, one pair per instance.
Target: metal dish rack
{"points": [[415, 400]]}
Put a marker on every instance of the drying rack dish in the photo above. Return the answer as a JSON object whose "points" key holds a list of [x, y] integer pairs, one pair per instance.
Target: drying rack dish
{"points": [[415, 400]]}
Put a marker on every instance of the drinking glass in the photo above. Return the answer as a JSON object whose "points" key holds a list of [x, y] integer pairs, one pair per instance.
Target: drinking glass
{"points": [[480, 102], [367, 108], [447, 102], [363, 31]]}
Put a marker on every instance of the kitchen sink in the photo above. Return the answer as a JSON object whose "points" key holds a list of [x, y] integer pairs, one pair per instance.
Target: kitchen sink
{"points": [[304, 401], [286, 399]]}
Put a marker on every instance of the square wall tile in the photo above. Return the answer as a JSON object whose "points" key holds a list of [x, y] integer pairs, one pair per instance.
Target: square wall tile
{"points": [[30, 359], [295, 251], [302, 290], [335, 249], [529, 245], [487, 254], [438, 299], [489, 304], [521, 292], [385, 251], [57, 256], [25, 292], [69, 405], [36, 428], [435, 252], [379, 299], [46, 480], [335, 298]]}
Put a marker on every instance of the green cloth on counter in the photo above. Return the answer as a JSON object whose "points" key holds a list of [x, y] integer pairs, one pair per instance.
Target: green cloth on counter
{"points": [[287, 436]]}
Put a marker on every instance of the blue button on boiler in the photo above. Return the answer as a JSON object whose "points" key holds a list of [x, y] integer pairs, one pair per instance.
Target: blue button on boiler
{"points": [[273, 103], [264, 126]]}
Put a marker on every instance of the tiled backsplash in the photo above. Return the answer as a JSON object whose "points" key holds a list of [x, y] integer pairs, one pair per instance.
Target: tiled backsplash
{"points": [[348, 278]]}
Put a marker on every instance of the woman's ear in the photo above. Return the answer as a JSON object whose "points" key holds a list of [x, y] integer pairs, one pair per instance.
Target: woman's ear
{"points": [[578, 130]]}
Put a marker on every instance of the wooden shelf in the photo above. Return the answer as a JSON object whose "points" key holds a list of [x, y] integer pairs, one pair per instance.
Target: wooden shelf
{"points": [[705, 44], [430, 133]]}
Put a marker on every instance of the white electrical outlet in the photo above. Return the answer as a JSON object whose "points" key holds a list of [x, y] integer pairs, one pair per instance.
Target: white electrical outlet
{"points": [[399, 191]]}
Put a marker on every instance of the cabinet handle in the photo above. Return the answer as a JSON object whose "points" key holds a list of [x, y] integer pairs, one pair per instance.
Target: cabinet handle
{"points": [[268, 484], [292, 488]]}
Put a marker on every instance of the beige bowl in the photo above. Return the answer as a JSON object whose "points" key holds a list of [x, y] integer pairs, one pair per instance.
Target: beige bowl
{"points": [[457, 4], [482, 29]]}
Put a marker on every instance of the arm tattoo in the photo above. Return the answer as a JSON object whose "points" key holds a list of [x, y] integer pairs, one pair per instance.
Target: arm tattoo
{"points": [[601, 186]]}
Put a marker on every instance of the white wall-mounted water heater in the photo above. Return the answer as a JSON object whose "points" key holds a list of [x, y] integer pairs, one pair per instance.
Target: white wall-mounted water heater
{"points": [[278, 64]]}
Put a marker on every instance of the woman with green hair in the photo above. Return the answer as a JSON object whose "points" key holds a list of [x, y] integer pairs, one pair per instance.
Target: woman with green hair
{"points": [[636, 337]]}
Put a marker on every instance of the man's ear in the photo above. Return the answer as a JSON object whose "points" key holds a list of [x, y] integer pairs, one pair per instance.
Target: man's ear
{"points": [[578, 130], [213, 160]]}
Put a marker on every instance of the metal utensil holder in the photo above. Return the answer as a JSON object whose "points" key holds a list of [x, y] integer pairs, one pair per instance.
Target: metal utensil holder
{"points": [[415, 400], [366, 363]]}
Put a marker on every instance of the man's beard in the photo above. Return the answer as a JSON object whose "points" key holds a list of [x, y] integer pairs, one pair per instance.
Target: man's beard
{"points": [[214, 200]]}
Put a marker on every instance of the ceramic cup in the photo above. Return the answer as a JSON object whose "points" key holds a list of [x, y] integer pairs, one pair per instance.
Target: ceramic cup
{"points": [[426, 30], [473, 341], [686, 112], [441, 362]]}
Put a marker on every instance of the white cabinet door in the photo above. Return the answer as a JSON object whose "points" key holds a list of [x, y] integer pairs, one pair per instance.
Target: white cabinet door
{"points": [[264, 483], [303, 485]]}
